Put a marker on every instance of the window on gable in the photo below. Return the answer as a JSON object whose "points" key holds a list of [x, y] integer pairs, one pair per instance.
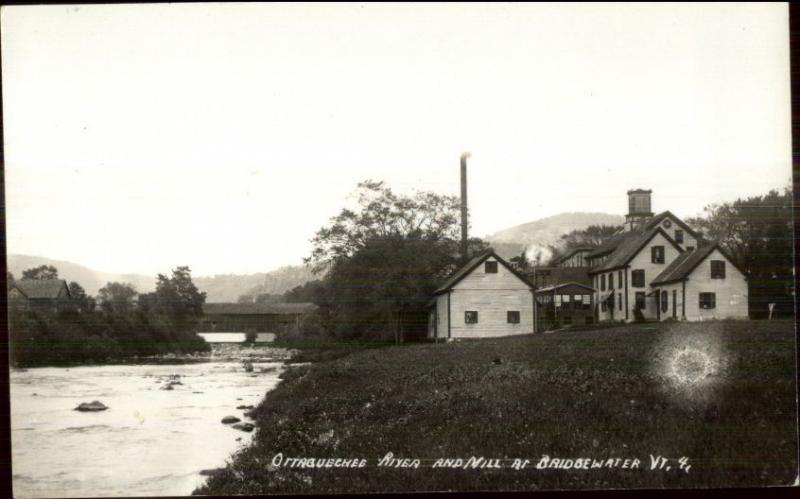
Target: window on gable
{"points": [[708, 300], [471, 317], [490, 267], [637, 278], [678, 236], [717, 269], [657, 254], [512, 316]]}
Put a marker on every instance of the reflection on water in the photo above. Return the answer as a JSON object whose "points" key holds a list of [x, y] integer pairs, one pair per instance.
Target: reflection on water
{"points": [[149, 442]]}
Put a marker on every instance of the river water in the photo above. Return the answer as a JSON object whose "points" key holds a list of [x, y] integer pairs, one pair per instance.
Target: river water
{"points": [[149, 442]]}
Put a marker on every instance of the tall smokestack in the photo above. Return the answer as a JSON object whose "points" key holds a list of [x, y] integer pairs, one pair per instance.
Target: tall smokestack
{"points": [[464, 222]]}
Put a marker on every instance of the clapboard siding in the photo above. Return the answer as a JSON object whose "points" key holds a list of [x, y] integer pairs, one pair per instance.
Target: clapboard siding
{"points": [[492, 307], [492, 295], [479, 279], [731, 292]]}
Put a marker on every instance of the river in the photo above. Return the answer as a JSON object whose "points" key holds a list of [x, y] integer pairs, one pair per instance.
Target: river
{"points": [[149, 442]]}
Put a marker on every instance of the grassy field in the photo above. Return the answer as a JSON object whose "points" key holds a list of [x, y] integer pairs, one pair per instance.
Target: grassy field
{"points": [[721, 394]]}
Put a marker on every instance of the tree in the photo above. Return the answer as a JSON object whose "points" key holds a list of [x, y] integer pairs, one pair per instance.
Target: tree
{"points": [[176, 298], [82, 301], [41, 272], [384, 215], [757, 234], [591, 236], [117, 297], [383, 262]]}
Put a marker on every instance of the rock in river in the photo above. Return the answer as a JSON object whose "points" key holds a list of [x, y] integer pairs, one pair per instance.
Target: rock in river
{"points": [[244, 426], [230, 419], [91, 406]]}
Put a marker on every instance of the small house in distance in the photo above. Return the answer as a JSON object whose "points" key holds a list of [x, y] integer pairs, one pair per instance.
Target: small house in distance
{"points": [[39, 293], [484, 298], [267, 320]]}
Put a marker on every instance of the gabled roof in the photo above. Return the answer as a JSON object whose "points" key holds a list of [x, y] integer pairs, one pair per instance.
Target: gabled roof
{"points": [[559, 275], [35, 289], [572, 253], [563, 285], [656, 220], [258, 308], [471, 265], [629, 246], [684, 265]]}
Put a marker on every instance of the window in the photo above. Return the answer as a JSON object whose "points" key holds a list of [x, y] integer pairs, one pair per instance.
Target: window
{"points": [[678, 236], [578, 302], [639, 300], [587, 302], [637, 278], [611, 281], [619, 300], [490, 267], [717, 269], [664, 301], [558, 301], [603, 282], [512, 316], [619, 278], [708, 300], [657, 254], [471, 317]]}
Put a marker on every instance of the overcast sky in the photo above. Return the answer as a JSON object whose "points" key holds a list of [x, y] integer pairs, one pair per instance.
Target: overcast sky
{"points": [[141, 137]]}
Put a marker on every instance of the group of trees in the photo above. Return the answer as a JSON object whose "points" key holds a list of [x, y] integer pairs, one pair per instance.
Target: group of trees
{"points": [[120, 324], [380, 263]]}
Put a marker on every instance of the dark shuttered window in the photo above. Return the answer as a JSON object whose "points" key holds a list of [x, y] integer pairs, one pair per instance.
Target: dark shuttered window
{"points": [[471, 317], [717, 269], [512, 316], [657, 254], [491, 267], [708, 300], [637, 278]]}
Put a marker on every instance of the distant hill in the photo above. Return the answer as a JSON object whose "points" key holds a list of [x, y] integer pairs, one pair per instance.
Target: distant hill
{"points": [[540, 233], [219, 288]]}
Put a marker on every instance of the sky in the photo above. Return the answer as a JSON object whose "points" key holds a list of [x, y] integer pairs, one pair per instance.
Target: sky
{"points": [[222, 136]]}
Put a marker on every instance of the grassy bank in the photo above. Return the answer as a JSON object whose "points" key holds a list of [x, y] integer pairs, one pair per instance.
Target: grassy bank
{"points": [[584, 394]]}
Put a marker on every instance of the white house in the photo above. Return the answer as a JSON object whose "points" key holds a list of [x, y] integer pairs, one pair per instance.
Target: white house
{"points": [[659, 268], [484, 298], [700, 284]]}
